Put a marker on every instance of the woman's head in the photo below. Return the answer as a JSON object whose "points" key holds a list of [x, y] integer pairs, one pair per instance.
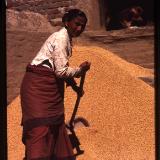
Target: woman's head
{"points": [[75, 21]]}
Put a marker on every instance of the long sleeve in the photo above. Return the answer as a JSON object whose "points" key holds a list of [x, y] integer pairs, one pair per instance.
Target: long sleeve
{"points": [[60, 55], [57, 50]]}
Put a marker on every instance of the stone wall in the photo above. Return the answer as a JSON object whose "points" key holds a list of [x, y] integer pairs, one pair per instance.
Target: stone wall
{"points": [[97, 11], [54, 9], [28, 21]]}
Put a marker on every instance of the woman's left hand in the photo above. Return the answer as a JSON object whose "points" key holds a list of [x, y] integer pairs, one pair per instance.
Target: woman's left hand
{"points": [[78, 90]]}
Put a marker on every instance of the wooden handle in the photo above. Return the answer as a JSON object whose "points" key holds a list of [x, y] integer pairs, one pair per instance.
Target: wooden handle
{"points": [[77, 101]]}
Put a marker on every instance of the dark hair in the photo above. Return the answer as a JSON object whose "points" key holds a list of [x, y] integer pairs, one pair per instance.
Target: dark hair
{"points": [[139, 9], [73, 13]]}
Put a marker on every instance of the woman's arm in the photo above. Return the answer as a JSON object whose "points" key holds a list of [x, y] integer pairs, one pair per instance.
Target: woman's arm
{"points": [[61, 58]]}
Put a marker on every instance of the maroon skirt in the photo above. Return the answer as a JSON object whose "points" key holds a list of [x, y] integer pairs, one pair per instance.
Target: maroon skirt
{"points": [[42, 102]]}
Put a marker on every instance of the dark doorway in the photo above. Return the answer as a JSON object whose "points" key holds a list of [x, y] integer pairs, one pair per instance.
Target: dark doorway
{"points": [[110, 9], [104, 14]]}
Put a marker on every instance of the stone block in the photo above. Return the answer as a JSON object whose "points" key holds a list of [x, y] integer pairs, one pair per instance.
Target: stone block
{"points": [[53, 1], [56, 22], [52, 11], [40, 7], [57, 4], [23, 8], [43, 12]]}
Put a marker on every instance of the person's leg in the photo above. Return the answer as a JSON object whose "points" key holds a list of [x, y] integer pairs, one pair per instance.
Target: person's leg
{"points": [[48, 143], [63, 148], [38, 143]]}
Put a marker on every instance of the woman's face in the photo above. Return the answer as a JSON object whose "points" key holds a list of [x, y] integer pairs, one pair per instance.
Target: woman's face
{"points": [[76, 26]]}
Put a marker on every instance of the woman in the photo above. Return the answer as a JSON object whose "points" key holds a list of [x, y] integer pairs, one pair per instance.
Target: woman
{"points": [[132, 16], [42, 92]]}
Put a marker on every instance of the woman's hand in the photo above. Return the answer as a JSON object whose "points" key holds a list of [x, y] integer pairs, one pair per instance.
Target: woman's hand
{"points": [[85, 66]]}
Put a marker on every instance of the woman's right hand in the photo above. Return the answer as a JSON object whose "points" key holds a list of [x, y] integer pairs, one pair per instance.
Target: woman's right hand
{"points": [[85, 66]]}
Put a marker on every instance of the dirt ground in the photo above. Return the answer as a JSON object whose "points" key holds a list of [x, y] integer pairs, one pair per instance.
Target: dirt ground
{"points": [[135, 45]]}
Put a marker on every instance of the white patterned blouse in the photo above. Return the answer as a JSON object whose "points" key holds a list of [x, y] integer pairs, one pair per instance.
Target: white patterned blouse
{"points": [[57, 49]]}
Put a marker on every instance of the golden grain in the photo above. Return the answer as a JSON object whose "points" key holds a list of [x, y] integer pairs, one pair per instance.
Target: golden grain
{"points": [[118, 106]]}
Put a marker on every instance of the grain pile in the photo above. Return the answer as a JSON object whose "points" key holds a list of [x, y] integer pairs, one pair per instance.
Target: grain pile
{"points": [[118, 106]]}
